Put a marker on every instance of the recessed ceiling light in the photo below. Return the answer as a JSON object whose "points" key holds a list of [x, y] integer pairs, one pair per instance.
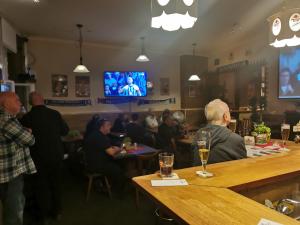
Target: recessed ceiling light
{"points": [[36, 1]]}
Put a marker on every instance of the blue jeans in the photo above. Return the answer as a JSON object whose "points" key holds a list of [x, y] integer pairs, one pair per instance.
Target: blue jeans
{"points": [[13, 201]]}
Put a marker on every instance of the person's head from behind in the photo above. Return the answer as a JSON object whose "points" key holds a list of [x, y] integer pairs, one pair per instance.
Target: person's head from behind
{"points": [[104, 126], [129, 80], [285, 75], [36, 99], [135, 117], [10, 102], [166, 112], [217, 113], [168, 120]]}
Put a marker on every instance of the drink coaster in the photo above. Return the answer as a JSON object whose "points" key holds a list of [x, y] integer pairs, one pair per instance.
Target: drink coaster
{"points": [[172, 177], [204, 174]]}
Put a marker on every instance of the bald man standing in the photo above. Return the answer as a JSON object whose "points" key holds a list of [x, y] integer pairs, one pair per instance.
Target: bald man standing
{"points": [[47, 126], [15, 159]]}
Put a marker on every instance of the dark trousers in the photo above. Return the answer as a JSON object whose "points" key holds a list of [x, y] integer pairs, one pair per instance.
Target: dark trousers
{"points": [[115, 174], [46, 184], [13, 201]]}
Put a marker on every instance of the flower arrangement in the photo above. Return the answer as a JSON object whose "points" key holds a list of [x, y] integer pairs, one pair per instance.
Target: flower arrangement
{"points": [[262, 133]]}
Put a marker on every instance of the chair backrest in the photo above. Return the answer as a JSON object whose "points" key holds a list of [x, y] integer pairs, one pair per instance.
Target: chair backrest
{"points": [[147, 163], [245, 127]]}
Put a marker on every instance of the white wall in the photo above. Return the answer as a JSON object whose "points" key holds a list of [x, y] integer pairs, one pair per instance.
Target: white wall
{"points": [[255, 49], [60, 57]]}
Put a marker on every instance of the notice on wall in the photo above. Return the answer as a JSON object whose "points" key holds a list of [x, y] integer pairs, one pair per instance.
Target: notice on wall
{"points": [[164, 86]]}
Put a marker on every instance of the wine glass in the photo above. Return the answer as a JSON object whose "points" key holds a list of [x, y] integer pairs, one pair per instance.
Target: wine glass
{"points": [[204, 140], [285, 133], [232, 125]]}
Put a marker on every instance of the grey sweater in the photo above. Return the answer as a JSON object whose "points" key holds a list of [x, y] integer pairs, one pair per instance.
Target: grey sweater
{"points": [[225, 145]]}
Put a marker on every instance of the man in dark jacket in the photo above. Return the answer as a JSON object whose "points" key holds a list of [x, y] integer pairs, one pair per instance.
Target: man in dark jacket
{"points": [[134, 130], [225, 145], [47, 126]]}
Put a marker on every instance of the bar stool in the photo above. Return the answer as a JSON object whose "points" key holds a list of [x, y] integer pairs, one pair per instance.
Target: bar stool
{"points": [[91, 177]]}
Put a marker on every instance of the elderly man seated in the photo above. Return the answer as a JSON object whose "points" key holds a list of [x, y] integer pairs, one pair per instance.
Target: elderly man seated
{"points": [[225, 145]]}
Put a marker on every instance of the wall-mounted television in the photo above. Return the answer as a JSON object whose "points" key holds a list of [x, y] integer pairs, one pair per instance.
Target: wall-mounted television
{"points": [[289, 74], [125, 83]]}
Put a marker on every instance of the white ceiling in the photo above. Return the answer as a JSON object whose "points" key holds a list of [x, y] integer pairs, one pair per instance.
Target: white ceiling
{"points": [[122, 22]]}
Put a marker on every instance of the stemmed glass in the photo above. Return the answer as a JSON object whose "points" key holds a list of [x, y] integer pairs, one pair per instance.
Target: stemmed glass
{"points": [[204, 140], [285, 133]]}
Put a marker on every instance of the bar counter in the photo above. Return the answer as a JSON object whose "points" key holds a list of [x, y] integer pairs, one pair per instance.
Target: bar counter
{"points": [[222, 198]]}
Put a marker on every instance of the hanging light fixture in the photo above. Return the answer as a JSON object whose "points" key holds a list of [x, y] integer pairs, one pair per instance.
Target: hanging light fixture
{"points": [[80, 68], [194, 77], [284, 26], [171, 15], [142, 57]]}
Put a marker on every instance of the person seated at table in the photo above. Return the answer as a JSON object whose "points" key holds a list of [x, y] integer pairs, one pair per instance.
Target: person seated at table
{"points": [[151, 121], [166, 134], [120, 123], [225, 145], [134, 130], [99, 154]]}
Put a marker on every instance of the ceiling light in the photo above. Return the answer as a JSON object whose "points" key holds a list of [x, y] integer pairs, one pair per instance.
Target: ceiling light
{"points": [[36, 1], [80, 68], [173, 15], [142, 57], [284, 27], [194, 76]]}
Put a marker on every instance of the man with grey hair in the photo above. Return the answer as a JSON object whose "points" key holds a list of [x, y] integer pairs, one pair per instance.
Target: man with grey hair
{"points": [[225, 145]]}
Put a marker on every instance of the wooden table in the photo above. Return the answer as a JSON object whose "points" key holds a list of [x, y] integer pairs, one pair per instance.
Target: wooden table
{"points": [[215, 200], [142, 149]]}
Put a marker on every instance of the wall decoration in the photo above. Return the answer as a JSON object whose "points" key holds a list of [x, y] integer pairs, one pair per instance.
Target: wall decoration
{"points": [[82, 86], [164, 86], [59, 85], [72, 103], [192, 91], [150, 88]]}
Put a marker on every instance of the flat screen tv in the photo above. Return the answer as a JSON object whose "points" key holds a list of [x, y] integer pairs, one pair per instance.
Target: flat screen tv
{"points": [[125, 83], [289, 74]]}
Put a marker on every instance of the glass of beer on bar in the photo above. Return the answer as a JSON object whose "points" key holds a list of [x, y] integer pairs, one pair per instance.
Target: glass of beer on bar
{"points": [[204, 140], [285, 133], [232, 125], [166, 161]]}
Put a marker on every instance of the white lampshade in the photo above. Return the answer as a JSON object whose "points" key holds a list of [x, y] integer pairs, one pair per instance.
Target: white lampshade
{"points": [[194, 77], [81, 69], [142, 58]]}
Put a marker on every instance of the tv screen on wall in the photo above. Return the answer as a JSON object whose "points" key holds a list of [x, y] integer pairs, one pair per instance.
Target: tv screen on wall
{"points": [[289, 74], [125, 83]]}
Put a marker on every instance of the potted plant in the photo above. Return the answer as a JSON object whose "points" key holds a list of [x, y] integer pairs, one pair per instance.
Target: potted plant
{"points": [[262, 133]]}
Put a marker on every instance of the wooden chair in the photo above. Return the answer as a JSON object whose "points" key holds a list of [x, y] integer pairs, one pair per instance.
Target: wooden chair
{"points": [[145, 165], [91, 177]]}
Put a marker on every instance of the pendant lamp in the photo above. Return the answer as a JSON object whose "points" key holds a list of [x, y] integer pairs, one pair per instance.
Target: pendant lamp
{"points": [[80, 68], [194, 76], [142, 57]]}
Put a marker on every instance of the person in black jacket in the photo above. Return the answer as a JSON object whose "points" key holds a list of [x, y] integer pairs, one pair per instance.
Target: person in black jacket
{"points": [[225, 145], [134, 130], [47, 127]]}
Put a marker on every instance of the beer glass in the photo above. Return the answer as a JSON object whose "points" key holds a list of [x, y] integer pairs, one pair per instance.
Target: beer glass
{"points": [[232, 125], [204, 140], [166, 161], [285, 133]]}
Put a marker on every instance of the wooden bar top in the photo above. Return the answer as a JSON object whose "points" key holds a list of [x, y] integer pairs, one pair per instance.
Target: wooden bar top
{"points": [[215, 200]]}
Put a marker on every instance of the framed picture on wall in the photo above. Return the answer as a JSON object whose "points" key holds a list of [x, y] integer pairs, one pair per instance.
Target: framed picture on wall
{"points": [[59, 85], [192, 91], [164, 86], [82, 86]]}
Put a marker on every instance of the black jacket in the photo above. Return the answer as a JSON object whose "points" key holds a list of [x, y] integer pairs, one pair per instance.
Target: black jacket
{"points": [[47, 127], [225, 145]]}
